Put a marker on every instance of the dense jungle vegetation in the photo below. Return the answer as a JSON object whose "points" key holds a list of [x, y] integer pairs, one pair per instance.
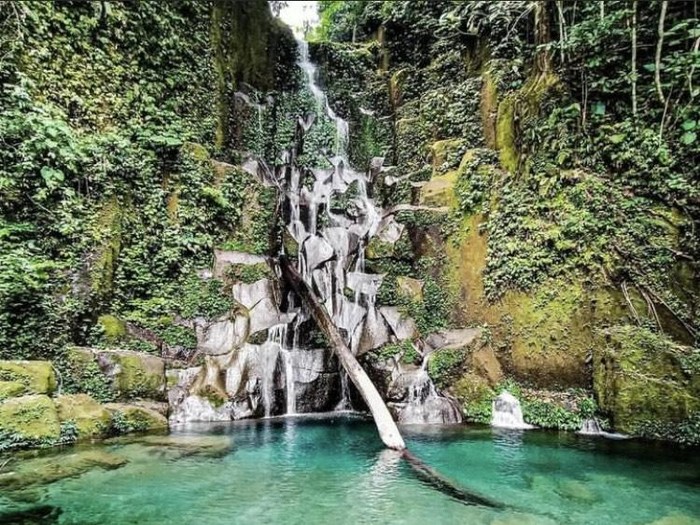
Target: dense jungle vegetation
{"points": [[564, 137], [561, 134]]}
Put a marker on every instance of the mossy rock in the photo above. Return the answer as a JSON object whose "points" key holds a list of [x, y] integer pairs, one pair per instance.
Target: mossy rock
{"points": [[291, 246], [30, 418], [378, 249], [82, 374], [90, 418], [11, 389], [440, 190], [130, 418], [37, 377], [44, 470], [642, 378], [446, 152], [409, 288], [134, 374], [113, 328], [543, 337], [475, 395]]}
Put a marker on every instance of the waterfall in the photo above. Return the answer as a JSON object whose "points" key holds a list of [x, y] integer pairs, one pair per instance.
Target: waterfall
{"points": [[507, 412], [590, 427]]}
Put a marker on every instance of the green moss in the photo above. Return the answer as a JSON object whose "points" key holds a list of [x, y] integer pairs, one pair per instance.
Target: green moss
{"points": [[505, 135], [11, 389], [28, 420], [475, 396], [82, 374], [213, 395], [129, 418], [109, 242], [248, 273], [90, 418], [112, 327], [489, 108], [36, 377], [645, 381], [446, 365], [137, 375]]}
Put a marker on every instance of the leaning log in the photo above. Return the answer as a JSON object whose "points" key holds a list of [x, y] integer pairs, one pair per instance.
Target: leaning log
{"points": [[388, 431]]}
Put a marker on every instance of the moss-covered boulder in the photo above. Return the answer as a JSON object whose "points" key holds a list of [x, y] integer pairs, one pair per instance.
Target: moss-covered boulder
{"points": [[643, 380], [133, 374], [107, 375], [26, 377], [91, 419], [11, 389], [29, 419], [82, 374], [440, 190], [130, 418]]}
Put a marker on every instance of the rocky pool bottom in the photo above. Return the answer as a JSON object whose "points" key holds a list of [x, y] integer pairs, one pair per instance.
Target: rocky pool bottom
{"points": [[332, 468]]}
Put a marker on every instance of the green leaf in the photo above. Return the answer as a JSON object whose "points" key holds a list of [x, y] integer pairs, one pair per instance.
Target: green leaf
{"points": [[689, 125], [616, 139], [689, 138]]}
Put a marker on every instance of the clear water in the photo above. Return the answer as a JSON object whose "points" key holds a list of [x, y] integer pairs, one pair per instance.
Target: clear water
{"points": [[333, 470]]}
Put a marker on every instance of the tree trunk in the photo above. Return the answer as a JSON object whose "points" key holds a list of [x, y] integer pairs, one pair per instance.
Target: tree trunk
{"points": [[543, 60], [388, 431], [659, 47], [634, 58]]}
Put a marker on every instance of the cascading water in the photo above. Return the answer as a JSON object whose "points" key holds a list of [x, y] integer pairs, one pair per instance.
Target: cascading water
{"points": [[331, 218], [331, 254], [507, 412]]}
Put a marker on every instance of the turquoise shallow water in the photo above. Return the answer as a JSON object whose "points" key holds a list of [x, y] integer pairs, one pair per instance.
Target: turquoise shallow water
{"points": [[334, 470]]}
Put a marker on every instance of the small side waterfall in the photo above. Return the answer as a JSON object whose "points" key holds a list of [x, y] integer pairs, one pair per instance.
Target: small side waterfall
{"points": [[590, 427], [507, 412]]}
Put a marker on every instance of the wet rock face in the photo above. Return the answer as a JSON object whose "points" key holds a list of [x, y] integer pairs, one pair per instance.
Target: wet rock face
{"points": [[317, 380], [252, 382]]}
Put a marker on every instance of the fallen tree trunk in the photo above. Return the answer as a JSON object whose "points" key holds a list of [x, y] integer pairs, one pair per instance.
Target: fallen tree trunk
{"points": [[388, 431]]}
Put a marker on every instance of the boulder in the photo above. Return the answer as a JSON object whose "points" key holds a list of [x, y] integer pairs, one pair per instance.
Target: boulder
{"points": [[223, 335], [31, 418], [485, 363], [130, 418], [410, 288], [251, 294], [440, 190], [91, 419], [35, 377], [223, 259], [43, 470], [402, 326], [11, 389], [266, 315], [452, 339], [133, 374]]}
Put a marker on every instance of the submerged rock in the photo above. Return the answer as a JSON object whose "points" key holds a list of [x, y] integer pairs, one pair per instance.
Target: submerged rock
{"points": [[22, 474]]}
